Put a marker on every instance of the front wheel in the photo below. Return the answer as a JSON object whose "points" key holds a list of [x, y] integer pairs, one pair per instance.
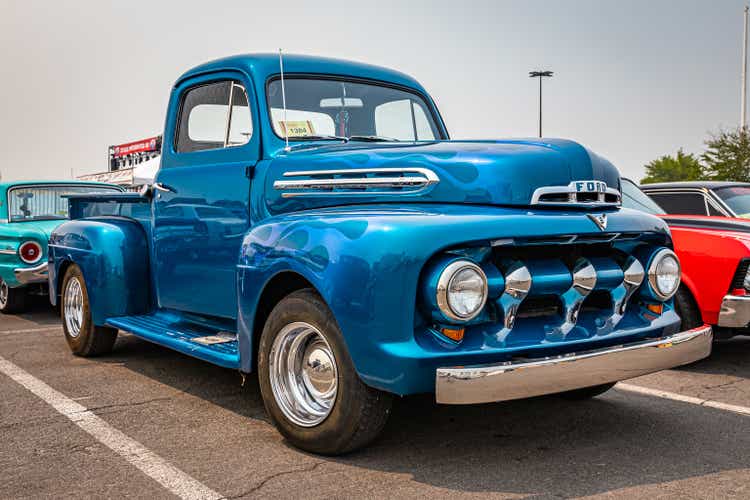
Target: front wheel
{"points": [[12, 300], [310, 388], [687, 309], [83, 337]]}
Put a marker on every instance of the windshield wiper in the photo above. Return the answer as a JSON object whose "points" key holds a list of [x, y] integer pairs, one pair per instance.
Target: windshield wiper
{"points": [[372, 138], [321, 138]]}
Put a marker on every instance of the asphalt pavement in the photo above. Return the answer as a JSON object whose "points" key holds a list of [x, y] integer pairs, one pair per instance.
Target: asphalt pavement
{"points": [[197, 419]]}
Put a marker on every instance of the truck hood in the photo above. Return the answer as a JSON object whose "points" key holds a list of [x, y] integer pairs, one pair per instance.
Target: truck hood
{"points": [[504, 172]]}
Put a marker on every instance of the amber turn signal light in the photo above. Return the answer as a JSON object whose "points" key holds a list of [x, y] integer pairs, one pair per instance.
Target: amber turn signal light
{"points": [[655, 308], [455, 334]]}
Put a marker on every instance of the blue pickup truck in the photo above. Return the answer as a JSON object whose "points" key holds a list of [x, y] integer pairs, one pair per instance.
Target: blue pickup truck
{"points": [[316, 225]]}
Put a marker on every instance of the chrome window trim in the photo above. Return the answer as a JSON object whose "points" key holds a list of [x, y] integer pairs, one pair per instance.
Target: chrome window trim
{"points": [[708, 196]]}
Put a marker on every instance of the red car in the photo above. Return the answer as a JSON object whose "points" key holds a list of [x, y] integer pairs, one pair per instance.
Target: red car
{"points": [[714, 253]]}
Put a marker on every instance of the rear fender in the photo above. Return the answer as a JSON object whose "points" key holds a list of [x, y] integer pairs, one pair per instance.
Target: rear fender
{"points": [[112, 253]]}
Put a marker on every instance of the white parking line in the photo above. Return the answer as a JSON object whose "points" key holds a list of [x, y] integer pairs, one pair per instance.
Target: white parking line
{"points": [[743, 410], [148, 462], [33, 330]]}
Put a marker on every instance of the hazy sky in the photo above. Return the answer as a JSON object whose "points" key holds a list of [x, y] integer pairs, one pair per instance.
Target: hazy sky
{"points": [[633, 79]]}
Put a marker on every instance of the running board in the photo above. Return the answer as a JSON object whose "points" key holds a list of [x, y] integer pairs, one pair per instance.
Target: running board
{"points": [[174, 331]]}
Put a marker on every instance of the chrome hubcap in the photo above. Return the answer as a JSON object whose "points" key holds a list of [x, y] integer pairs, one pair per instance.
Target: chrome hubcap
{"points": [[303, 374], [73, 307], [3, 294]]}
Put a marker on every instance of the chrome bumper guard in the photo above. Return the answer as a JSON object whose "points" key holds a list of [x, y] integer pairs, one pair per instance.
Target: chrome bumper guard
{"points": [[735, 311], [29, 275], [536, 377]]}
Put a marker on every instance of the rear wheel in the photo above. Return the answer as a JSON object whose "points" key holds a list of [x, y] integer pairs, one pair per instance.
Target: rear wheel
{"points": [[83, 337], [12, 300], [310, 388]]}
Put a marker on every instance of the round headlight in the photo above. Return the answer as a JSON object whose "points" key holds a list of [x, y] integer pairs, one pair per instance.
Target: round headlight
{"points": [[664, 274], [461, 290], [30, 252]]}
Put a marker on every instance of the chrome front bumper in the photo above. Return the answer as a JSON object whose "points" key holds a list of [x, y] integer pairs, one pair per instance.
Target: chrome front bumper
{"points": [[735, 311], [29, 275], [535, 377]]}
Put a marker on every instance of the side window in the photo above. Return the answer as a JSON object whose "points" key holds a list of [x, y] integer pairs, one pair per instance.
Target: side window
{"points": [[207, 121], [404, 120], [681, 203]]}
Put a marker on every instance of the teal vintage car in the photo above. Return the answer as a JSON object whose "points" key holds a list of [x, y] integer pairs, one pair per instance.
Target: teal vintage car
{"points": [[29, 211]]}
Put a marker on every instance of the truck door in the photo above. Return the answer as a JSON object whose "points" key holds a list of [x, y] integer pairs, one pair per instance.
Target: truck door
{"points": [[201, 200]]}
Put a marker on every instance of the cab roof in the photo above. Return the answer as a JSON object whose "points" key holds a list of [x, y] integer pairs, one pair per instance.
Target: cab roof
{"points": [[263, 66], [694, 184]]}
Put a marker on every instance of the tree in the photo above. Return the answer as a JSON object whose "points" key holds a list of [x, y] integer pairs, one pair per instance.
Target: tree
{"points": [[727, 156], [682, 167]]}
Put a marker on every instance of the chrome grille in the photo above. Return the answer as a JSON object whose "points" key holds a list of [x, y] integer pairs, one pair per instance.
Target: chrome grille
{"points": [[570, 195]]}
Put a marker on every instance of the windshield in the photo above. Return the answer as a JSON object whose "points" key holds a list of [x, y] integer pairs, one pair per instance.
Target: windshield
{"points": [[633, 197], [738, 199], [323, 108], [45, 202]]}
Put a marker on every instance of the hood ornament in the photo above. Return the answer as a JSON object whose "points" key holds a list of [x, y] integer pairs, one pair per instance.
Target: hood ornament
{"points": [[599, 219]]}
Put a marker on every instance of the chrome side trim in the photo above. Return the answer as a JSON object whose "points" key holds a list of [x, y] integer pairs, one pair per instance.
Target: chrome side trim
{"points": [[735, 311], [535, 377], [28, 275], [369, 178], [8, 251]]}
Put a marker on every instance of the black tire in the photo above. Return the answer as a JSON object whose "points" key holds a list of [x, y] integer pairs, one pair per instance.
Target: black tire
{"points": [[359, 412], [91, 340], [12, 300], [587, 392], [686, 307]]}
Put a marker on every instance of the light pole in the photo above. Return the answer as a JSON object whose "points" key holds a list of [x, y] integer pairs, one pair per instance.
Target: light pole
{"points": [[743, 104], [540, 75]]}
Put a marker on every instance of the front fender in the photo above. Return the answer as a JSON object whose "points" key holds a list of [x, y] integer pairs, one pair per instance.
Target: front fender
{"points": [[366, 261], [112, 253]]}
